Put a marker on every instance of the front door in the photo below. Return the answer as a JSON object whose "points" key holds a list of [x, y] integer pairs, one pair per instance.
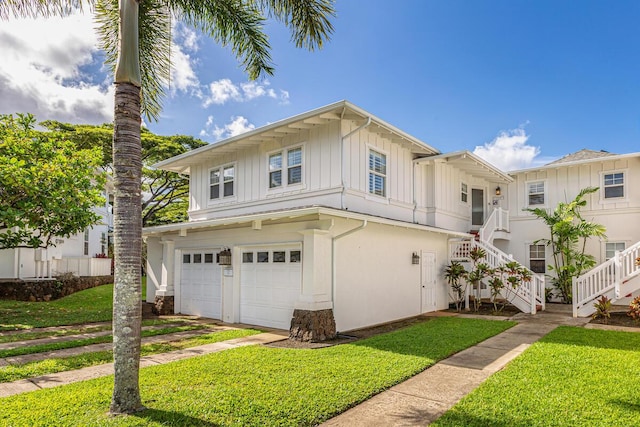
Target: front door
{"points": [[428, 282], [477, 207]]}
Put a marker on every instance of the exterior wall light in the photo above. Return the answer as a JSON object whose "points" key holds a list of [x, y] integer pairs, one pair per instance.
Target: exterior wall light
{"points": [[224, 257], [415, 258], [498, 191]]}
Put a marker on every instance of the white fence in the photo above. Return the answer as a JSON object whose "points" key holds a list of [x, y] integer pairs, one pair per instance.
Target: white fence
{"points": [[83, 266]]}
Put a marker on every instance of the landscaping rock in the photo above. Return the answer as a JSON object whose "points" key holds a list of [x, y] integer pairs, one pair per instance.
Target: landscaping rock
{"points": [[312, 326]]}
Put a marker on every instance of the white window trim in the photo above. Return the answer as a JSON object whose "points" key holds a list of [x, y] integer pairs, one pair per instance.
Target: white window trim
{"points": [[546, 194], [222, 197], [462, 192], [285, 169], [604, 247], [625, 186], [370, 195], [528, 256]]}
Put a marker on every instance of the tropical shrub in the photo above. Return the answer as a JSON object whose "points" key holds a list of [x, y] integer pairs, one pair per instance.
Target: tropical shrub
{"points": [[603, 309], [455, 274]]}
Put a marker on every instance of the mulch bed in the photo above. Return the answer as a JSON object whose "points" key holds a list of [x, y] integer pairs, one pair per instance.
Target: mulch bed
{"points": [[618, 318]]}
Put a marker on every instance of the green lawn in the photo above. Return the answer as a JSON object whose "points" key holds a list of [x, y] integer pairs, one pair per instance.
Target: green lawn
{"points": [[256, 386], [88, 306], [572, 377], [53, 365]]}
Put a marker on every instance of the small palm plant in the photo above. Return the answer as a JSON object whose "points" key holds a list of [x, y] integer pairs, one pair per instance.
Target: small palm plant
{"points": [[603, 309], [455, 274]]}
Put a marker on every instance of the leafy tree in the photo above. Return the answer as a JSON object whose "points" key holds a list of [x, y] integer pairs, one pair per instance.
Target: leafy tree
{"points": [[136, 36], [456, 275], [164, 193], [47, 187], [569, 233]]}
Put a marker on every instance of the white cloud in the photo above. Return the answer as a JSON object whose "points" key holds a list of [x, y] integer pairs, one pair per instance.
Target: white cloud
{"points": [[41, 70], [224, 90], [238, 125], [509, 150], [183, 77]]}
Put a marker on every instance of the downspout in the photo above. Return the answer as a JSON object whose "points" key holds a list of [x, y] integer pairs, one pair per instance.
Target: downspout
{"points": [[333, 257], [356, 130], [413, 184]]}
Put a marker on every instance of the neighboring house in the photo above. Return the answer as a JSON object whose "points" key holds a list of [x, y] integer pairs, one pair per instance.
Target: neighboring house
{"points": [[616, 206], [336, 215], [333, 212], [77, 254]]}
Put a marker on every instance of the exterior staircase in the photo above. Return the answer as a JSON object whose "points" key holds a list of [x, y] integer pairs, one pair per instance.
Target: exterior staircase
{"points": [[529, 297], [616, 278]]}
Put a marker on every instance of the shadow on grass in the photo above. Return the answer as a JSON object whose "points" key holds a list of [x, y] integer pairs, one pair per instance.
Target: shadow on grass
{"points": [[630, 406], [596, 338], [168, 418], [471, 420]]}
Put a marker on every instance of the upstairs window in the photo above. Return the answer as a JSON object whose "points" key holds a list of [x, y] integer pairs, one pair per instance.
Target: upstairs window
{"points": [[614, 185], [377, 173], [286, 161], [537, 258], [221, 182], [464, 193], [611, 248], [86, 242], [535, 193]]}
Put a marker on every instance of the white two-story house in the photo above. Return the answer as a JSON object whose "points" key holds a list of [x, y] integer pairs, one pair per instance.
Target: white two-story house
{"points": [[616, 205], [83, 254], [333, 214]]}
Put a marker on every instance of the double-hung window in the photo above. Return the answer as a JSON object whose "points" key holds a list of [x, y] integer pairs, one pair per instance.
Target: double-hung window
{"points": [[537, 258], [464, 192], [611, 248], [221, 182], [535, 193], [86, 242], [285, 168], [613, 185], [377, 173]]}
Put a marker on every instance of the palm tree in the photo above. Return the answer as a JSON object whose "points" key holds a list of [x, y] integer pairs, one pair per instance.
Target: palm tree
{"points": [[136, 36]]}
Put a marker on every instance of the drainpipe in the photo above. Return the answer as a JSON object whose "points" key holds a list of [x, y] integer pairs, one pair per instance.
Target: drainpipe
{"points": [[333, 256], [356, 130]]}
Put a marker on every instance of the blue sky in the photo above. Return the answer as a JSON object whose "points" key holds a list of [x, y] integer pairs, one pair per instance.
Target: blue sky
{"points": [[520, 82]]}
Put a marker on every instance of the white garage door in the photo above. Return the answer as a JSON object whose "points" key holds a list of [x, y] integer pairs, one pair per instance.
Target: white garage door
{"points": [[270, 284], [201, 284]]}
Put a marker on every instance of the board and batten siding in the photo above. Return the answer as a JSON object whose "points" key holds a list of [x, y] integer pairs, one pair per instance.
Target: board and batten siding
{"points": [[563, 183], [439, 197], [320, 172], [398, 201]]}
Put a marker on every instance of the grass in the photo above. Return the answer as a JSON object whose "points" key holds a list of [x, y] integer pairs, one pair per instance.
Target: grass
{"points": [[88, 306], [257, 385], [34, 335], [41, 348], [50, 366], [572, 377]]}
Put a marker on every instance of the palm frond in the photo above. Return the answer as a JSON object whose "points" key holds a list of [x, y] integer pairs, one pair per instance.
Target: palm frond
{"points": [[41, 8], [308, 20], [235, 23]]}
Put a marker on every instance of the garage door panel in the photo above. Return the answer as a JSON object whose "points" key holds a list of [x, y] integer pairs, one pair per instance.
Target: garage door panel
{"points": [[201, 284], [269, 290]]}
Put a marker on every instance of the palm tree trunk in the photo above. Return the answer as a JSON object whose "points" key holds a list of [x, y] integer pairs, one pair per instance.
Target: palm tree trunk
{"points": [[127, 222]]}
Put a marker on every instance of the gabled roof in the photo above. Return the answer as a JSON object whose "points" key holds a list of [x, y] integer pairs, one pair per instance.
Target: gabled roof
{"points": [[470, 163], [275, 131], [583, 154], [579, 158]]}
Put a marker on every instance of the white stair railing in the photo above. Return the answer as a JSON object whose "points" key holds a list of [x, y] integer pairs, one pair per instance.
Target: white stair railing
{"points": [[497, 221], [606, 279], [527, 297]]}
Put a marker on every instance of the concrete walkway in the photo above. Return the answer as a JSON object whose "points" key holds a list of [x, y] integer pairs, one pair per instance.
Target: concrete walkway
{"points": [[68, 377], [425, 397]]}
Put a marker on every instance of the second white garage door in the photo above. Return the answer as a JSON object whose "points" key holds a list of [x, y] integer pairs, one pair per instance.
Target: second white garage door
{"points": [[270, 284], [200, 284]]}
